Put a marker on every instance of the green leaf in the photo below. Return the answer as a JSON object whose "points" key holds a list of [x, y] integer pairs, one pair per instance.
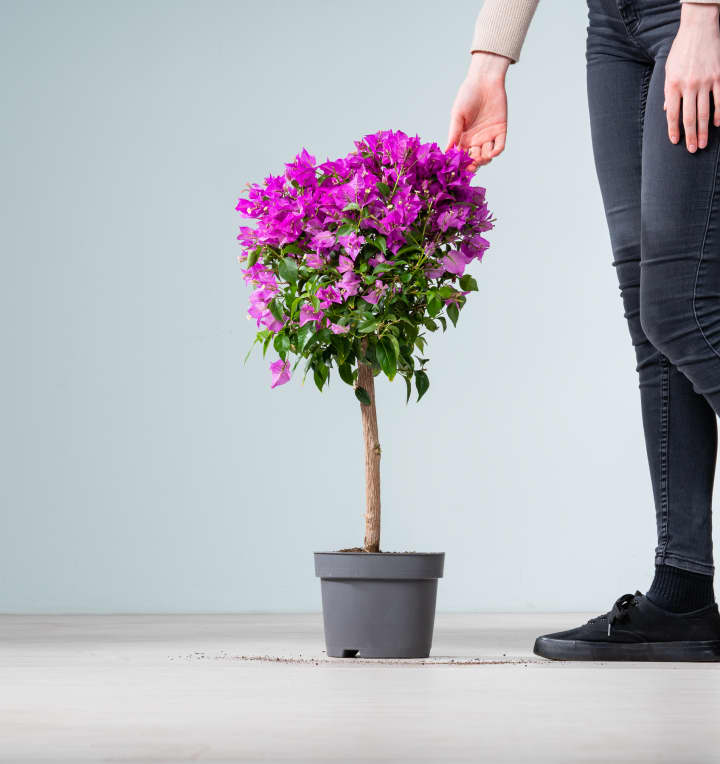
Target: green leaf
{"points": [[394, 344], [282, 344], [267, 343], [382, 244], [384, 188], [288, 270], [386, 357], [453, 313], [408, 248], [468, 283], [407, 360], [344, 230], [408, 386], [324, 335], [362, 395], [422, 383], [434, 304], [367, 325], [291, 248], [341, 345], [320, 374], [430, 324], [351, 206], [276, 309], [253, 257], [303, 336], [346, 374]]}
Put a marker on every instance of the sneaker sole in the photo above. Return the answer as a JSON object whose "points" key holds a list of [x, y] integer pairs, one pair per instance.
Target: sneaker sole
{"points": [[580, 650]]}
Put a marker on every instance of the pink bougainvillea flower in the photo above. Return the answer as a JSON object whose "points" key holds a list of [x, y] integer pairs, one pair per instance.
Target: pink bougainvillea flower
{"points": [[455, 262], [273, 324], [349, 284], [337, 329], [453, 218], [345, 264], [328, 295], [380, 258], [279, 372], [375, 295], [352, 243], [314, 260], [308, 314], [455, 299], [323, 240]]}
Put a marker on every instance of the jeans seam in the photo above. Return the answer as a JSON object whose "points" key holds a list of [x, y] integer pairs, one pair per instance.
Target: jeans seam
{"points": [[711, 205], [644, 87], [664, 539], [680, 558]]}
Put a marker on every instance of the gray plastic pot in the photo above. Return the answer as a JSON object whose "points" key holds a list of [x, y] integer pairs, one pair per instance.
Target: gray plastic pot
{"points": [[378, 605]]}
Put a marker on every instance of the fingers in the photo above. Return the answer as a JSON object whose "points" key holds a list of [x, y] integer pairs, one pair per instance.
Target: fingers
{"points": [[456, 128], [499, 145], [716, 104], [689, 115], [487, 151], [672, 112], [703, 117], [476, 155]]}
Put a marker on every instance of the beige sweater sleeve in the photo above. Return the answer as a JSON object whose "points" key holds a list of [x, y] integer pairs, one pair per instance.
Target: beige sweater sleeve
{"points": [[501, 25]]}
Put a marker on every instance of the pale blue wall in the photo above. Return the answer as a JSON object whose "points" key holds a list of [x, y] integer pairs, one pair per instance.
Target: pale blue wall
{"points": [[144, 467]]}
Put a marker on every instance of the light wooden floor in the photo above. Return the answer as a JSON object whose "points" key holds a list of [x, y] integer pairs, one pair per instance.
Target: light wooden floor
{"points": [[187, 688]]}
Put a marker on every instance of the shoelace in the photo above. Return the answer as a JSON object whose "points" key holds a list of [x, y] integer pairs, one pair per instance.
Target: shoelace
{"points": [[619, 610]]}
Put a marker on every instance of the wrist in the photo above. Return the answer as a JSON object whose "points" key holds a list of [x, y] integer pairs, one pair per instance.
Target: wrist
{"points": [[700, 14], [489, 65]]}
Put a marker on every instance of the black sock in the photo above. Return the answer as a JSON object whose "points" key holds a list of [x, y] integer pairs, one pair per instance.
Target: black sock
{"points": [[680, 591]]}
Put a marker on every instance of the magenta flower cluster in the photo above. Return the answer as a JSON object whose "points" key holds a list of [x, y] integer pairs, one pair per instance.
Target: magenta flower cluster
{"points": [[378, 238]]}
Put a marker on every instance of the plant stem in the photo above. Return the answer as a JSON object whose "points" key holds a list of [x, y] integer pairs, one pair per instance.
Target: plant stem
{"points": [[372, 460]]}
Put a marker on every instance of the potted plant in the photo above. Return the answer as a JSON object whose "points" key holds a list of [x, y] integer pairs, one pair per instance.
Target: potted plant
{"points": [[352, 262]]}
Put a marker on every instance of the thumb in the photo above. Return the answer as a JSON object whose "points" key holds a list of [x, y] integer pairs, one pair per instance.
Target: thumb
{"points": [[456, 127]]}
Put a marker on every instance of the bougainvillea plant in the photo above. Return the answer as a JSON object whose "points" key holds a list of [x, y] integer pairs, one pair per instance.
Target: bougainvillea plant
{"points": [[354, 260]]}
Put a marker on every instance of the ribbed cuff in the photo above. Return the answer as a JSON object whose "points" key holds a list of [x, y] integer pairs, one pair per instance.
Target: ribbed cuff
{"points": [[501, 26]]}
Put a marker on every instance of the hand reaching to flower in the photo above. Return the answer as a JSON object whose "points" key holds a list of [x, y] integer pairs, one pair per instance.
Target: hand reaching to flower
{"points": [[692, 74], [478, 120]]}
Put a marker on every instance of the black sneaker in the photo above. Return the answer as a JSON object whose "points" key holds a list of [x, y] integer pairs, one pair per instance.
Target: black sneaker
{"points": [[637, 630]]}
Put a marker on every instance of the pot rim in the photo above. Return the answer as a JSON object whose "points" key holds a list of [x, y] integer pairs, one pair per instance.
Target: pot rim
{"points": [[386, 554]]}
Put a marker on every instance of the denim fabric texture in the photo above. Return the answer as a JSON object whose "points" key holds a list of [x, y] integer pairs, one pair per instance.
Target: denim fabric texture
{"points": [[663, 213]]}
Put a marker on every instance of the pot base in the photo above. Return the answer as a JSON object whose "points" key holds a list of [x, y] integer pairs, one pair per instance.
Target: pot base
{"points": [[378, 605]]}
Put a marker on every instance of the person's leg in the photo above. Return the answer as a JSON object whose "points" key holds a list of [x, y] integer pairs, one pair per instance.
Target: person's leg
{"points": [[679, 425], [680, 308], [678, 619]]}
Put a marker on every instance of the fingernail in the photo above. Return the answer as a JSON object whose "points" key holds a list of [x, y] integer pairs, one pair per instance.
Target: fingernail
{"points": [[692, 147], [674, 138]]}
